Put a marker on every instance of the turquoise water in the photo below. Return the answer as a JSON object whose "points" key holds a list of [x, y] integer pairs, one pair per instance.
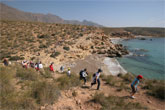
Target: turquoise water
{"points": [[147, 57]]}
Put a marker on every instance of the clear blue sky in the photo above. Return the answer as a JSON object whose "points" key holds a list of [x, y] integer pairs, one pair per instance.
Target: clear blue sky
{"points": [[111, 13]]}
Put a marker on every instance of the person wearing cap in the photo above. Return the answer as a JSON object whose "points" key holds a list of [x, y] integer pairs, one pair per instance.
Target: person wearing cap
{"points": [[135, 84], [69, 72], [96, 79]]}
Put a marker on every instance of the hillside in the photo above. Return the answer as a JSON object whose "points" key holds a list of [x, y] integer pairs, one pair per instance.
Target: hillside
{"points": [[9, 13], [54, 42], [27, 89], [143, 31]]}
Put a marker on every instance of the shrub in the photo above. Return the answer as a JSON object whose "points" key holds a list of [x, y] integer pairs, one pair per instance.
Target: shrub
{"points": [[128, 77], [47, 73], [9, 97], [65, 82], [115, 103], [43, 36], [55, 54], [66, 48], [42, 46], [155, 88], [74, 93], [27, 74], [6, 79], [109, 80], [15, 58], [45, 92]]}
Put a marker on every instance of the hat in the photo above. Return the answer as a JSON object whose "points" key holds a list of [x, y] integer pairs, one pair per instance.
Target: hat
{"points": [[139, 76]]}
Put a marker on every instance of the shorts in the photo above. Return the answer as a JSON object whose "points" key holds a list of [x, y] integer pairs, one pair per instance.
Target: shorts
{"points": [[134, 90]]}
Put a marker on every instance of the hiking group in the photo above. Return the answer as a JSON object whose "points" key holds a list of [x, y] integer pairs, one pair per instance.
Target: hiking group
{"points": [[83, 74]]}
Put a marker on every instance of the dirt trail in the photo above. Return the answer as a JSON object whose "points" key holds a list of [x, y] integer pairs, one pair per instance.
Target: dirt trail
{"points": [[82, 100]]}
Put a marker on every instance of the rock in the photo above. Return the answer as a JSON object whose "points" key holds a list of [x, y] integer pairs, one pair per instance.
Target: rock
{"points": [[142, 38], [111, 55], [149, 101], [119, 54], [78, 102], [102, 51]]}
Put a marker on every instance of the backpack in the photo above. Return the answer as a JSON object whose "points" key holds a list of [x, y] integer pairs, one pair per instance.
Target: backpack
{"points": [[81, 74], [94, 74]]}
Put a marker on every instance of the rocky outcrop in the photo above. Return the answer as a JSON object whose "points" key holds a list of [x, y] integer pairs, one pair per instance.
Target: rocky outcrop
{"points": [[123, 34]]}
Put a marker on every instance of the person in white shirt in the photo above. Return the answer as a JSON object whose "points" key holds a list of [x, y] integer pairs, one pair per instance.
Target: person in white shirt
{"points": [[96, 79], [40, 65]]}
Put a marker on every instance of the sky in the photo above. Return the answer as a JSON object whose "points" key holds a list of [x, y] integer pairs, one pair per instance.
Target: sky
{"points": [[110, 13]]}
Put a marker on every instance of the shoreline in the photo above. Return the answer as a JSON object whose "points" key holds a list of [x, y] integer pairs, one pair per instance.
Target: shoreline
{"points": [[92, 63]]}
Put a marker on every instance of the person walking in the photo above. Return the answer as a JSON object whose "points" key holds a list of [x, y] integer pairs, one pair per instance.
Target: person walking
{"points": [[51, 67], [135, 84], [62, 69], [83, 75], [5, 62], [68, 72], [96, 79]]}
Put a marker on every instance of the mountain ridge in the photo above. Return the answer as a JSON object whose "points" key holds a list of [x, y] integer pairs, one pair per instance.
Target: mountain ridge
{"points": [[10, 13]]}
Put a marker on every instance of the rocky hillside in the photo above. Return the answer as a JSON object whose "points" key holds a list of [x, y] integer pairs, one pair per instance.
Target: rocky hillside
{"points": [[54, 42], [27, 89], [9, 13]]}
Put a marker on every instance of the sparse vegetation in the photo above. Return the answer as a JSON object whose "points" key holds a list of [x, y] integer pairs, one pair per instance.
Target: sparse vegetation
{"points": [[115, 103], [45, 92], [66, 48], [54, 55], [15, 58], [66, 82], [155, 88]]}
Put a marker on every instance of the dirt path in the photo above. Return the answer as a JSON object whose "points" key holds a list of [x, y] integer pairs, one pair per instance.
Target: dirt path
{"points": [[84, 94]]}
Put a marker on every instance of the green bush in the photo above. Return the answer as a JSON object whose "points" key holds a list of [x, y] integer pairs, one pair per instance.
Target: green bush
{"points": [[10, 97], [55, 54], [42, 46], [45, 92], [65, 82], [27, 74], [43, 36], [15, 58], [110, 80], [47, 73], [115, 103], [66, 48], [155, 88], [128, 77]]}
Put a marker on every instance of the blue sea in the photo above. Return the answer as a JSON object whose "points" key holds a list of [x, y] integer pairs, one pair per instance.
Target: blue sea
{"points": [[147, 57]]}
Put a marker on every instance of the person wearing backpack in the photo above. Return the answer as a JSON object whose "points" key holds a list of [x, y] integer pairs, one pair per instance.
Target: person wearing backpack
{"points": [[135, 84], [96, 79], [83, 75]]}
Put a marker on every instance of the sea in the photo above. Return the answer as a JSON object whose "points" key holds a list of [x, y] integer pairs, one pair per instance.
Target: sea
{"points": [[146, 57]]}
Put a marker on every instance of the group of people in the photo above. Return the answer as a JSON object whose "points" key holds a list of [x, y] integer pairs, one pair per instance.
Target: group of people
{"points": [[83, 74], [27, 64], [96, 80]]}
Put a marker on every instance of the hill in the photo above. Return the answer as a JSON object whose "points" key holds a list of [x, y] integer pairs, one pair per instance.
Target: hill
{"points": [[143, 31], [27, 89], [9, 13], [54, 42]]}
